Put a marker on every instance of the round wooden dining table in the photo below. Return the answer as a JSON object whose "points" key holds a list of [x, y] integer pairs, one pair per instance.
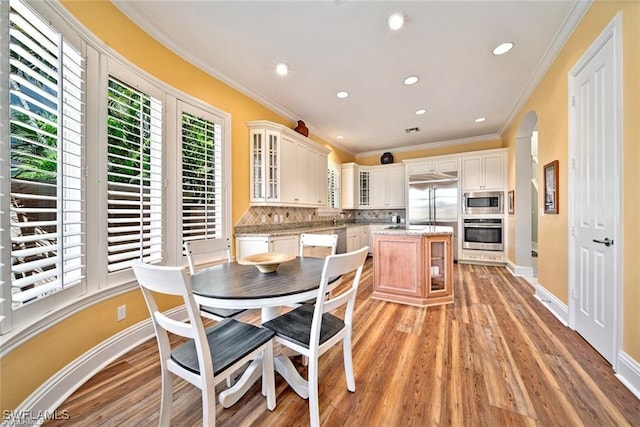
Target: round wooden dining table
{"points": [[232, 285]]}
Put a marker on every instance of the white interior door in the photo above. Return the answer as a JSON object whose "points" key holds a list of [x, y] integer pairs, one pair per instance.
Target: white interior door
{"points": [[595, 198]]}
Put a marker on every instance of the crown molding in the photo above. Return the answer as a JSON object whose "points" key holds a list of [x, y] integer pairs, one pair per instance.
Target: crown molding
{"points": [[431, 145], [129, 9], [573, 18]]}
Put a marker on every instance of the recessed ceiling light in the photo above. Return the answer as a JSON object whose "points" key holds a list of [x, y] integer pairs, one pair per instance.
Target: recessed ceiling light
{"points": [[339, 137], [503, 48], [421, 111], [282, 69], [396, 21], [411, 80], [480, 119], [342, 94]]}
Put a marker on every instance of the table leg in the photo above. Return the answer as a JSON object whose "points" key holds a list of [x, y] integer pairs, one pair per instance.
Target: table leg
{"points": [[285, 368], [231, 395], [282, 365]]}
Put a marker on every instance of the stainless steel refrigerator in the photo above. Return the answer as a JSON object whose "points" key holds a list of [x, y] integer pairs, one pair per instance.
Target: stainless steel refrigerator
{"points": [[433, 200]]}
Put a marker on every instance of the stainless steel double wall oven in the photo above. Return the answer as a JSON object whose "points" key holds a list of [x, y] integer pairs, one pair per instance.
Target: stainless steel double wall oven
{"points": [[482, 225]]}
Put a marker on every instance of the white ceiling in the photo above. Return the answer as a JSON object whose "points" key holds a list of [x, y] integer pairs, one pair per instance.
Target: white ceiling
{"points": [[346, 45]]}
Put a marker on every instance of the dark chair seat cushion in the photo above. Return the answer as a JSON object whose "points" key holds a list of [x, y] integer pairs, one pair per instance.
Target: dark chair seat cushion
{"points": [[296, 325], [229, 341], [223, 313]]}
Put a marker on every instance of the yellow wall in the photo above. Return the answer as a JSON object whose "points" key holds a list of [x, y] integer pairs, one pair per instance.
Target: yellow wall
{"points": [[549, 101], [27, 367], [23, 370], [428, 152]]}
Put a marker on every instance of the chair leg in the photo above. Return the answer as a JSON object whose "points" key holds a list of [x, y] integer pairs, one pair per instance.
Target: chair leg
{"points": [[166, 398], [314, 407], [268, 376], [348, 362], [208, 403]]}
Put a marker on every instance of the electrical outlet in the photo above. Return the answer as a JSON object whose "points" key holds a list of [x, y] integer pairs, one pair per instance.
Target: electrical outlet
{"points": [[122, 312]]}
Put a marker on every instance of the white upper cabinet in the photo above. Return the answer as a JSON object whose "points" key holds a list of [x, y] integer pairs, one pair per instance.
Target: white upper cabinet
{"points": [[373, 187], [349, 186], [484, 171], [265, 165], [387, 186], [318, 184], [287, 169], [364, 187], [431, 165]]}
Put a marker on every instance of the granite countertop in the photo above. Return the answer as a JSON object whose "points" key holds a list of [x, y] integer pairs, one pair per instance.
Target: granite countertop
{"points": [[298, 230], [397, 229], [416, 230]]}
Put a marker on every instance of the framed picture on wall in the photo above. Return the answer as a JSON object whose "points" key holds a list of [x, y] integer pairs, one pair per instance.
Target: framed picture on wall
{"points": [[511, 197], [551, 188]]}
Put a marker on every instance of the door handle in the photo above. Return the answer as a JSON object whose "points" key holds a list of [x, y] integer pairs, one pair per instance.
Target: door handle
{"points": [[605, 242]]}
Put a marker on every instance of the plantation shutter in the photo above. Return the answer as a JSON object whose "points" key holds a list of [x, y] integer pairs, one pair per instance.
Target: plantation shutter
{"points": [[202, 172], [46, 126], [134, 175]]}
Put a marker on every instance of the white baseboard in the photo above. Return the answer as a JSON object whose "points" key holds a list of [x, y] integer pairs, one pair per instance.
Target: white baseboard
{"points": [[629, 373], [519, 270], [53, 392], [552, 303]]}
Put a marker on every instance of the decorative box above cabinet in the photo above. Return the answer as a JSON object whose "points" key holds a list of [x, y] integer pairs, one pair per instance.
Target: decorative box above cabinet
{"points": [[286, 168]]}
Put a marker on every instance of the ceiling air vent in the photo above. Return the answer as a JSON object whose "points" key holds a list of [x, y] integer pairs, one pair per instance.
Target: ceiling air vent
{"points": [[412, 130]]}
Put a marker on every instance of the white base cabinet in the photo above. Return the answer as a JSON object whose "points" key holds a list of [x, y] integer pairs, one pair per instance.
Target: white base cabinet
{"points": [[489, 257], [251, 245], [372, 229], [357, 237]]}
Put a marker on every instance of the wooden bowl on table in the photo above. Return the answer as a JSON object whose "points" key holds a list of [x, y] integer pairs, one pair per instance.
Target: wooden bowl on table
{"points": [[267, 262]]}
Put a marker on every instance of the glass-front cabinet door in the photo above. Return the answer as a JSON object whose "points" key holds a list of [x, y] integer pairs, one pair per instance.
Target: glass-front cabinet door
{"points": [[257, 165], [265, 163], [438, 269], [365, 188], [272, 166]]}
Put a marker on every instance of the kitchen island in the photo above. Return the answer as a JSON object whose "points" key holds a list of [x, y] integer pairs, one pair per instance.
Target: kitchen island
{"points": [[413, 265]]}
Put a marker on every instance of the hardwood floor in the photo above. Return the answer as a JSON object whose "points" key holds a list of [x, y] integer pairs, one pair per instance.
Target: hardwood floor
{"points": [[494, 357]]}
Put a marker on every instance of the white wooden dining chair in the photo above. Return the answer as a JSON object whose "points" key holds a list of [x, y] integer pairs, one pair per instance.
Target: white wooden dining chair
{"points": [[329, 242], [210, 250], [312, 329], [208, 356], [312, 240]]}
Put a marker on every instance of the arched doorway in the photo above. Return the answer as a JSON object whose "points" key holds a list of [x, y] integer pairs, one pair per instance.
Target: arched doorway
{"points": [[525, 218]]}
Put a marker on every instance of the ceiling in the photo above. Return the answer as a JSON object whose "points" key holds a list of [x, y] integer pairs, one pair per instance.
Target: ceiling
{"points": [[340, 45]]}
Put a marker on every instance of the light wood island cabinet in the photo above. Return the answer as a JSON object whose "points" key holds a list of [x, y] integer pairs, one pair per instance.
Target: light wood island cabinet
{"points": [[413, 266]]}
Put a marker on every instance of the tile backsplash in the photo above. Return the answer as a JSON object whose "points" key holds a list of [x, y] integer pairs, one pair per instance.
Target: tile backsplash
{"points": [[268, 218]]}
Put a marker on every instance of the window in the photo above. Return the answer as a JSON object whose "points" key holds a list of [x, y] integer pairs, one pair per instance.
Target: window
{"points": [[134, 175], [202, 175], [46, 156], [97, 155]]}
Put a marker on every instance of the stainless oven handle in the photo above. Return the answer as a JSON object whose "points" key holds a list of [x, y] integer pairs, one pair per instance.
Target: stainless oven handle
{"points": [[482, 225]]}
